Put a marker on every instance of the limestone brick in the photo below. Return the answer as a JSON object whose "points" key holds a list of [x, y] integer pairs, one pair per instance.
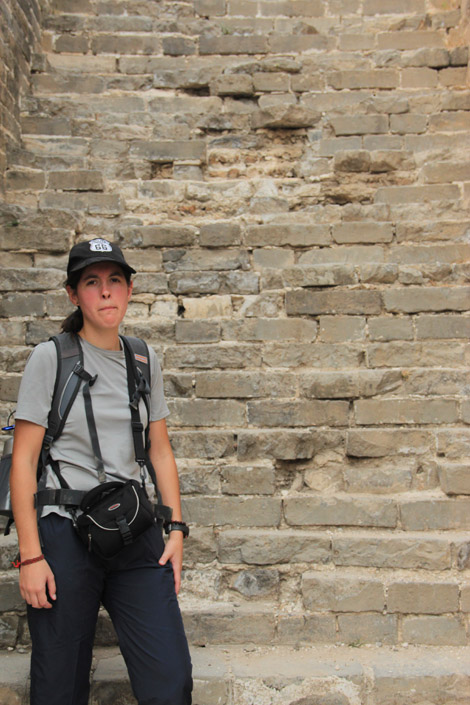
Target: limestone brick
{"points": [[422, 598]]}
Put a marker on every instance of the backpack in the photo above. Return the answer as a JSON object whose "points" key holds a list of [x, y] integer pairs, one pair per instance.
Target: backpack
{"points": [[69, 377]]}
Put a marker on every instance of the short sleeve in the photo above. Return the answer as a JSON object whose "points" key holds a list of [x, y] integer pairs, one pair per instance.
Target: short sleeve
{"points": [[37, 385], [158, 407]]}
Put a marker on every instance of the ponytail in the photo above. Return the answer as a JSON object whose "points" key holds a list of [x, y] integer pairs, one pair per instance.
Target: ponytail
{"points": [[73, 323]]}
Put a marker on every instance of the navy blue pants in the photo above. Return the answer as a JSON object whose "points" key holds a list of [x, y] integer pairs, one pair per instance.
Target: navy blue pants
{"points": [[141, 601]]}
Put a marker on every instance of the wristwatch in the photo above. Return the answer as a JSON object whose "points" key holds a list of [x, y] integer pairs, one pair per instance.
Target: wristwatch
{"points": [[177, 526]]}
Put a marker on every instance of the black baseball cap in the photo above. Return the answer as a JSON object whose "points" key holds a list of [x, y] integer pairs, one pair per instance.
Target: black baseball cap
{"points": [[96, 250]]}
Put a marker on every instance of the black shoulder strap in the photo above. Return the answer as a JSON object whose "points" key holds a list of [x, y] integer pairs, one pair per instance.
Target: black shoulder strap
{"points": [[138, 382], [67, 384]]}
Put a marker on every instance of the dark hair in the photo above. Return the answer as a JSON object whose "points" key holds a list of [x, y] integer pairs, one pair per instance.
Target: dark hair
{"points": [[74, 321]]}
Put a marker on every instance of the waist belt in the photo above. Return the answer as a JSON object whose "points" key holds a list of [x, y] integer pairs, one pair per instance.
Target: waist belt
{"points": [[72, 498]]}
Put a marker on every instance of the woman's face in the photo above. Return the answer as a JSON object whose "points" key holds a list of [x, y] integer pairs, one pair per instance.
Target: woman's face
{"points": [[102, 294]]}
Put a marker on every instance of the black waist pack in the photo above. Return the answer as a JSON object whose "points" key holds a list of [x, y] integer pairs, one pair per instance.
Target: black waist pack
{"points": [[114, 515]]}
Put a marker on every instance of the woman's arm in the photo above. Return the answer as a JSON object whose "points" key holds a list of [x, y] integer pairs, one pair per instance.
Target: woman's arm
{"points": [[35, 577], [163, 460]]}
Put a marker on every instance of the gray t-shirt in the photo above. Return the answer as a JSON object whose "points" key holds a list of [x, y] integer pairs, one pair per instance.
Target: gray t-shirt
{"points": [[110, 399]]}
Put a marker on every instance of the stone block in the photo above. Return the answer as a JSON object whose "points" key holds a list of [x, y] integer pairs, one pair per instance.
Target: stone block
{"points": [[223, 623], [156, 236], [393, 7], [350, 232], [280, 445], [209, 307], [403, 124], [435, 514], [394, 195], [245, 384], [443, 172], [209, 8], [10, 598], [219, 234], [339, 593], [360, 79], [232, 84], [295, 43], [231, 44], [168, 151], [419, 597], [9, 386], [257, 582], [406, 411], [25, 180], [240, 479], [9, 628], [264, 329], [417, 299], [204, 260], [336, 329], [379, 551], [275, 258], [75, 180], [272, 547], [45, 126], [314, 510], [355, 629], [293, 234], [285, 117], [347, 385], [14, 304], [352, 161], [347, 301], [433, 630], [390, 328], [334, 356], [202, 444], [378, 443], [31, 279], [321, 275], [410, 40], [126, 44], [288, 414], [235, 511], [403, 354], [269, 81], [201, 412], [222, 356], [197, 331], [454, 77], [360, 125], [178, 46], [379, 478], [298, 630]]}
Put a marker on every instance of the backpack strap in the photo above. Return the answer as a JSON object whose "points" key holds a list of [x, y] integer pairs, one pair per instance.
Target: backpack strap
{"points": [[67, 383]]}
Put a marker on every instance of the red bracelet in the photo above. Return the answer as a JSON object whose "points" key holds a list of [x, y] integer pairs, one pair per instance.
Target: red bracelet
{"points": [[18, 563]]}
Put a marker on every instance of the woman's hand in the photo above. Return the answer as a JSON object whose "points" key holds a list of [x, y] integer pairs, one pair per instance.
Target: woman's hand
{"points": [[35, 578], [174, 553]]}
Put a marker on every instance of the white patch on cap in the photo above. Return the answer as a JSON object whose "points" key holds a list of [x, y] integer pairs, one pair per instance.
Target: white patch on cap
{"points": [[99, 245]]}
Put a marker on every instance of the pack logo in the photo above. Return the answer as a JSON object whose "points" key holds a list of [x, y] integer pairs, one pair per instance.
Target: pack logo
{"points": [[100, 245], [113, 507], [141, 358]]}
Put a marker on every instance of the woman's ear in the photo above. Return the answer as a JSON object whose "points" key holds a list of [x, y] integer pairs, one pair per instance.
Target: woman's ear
{"points": [[72, 295], [130, 287]]}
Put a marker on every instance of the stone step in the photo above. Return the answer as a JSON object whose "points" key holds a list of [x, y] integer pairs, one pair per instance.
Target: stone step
{"points": [[341, 606], [228, 675]]}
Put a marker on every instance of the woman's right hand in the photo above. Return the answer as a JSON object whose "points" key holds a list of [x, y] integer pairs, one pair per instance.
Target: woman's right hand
{"points": [[35, 578]]}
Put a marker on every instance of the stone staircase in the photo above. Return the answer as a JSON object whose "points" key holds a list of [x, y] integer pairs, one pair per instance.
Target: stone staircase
{"points": [[291, 181]]}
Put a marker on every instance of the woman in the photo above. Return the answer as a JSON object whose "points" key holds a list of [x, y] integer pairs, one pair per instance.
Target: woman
{"points": [[61, 581]]}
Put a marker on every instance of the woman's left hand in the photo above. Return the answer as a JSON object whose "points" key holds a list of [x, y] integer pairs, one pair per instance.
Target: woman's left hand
{"points": [[174, 553]]}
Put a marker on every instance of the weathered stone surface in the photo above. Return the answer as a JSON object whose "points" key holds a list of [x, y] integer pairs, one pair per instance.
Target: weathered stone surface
{"points": [[425, 598], [321, 592]]}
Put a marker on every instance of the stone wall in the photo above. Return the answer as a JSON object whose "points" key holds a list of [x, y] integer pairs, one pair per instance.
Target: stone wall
{"points": [[20, 33], [291, 181]]}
